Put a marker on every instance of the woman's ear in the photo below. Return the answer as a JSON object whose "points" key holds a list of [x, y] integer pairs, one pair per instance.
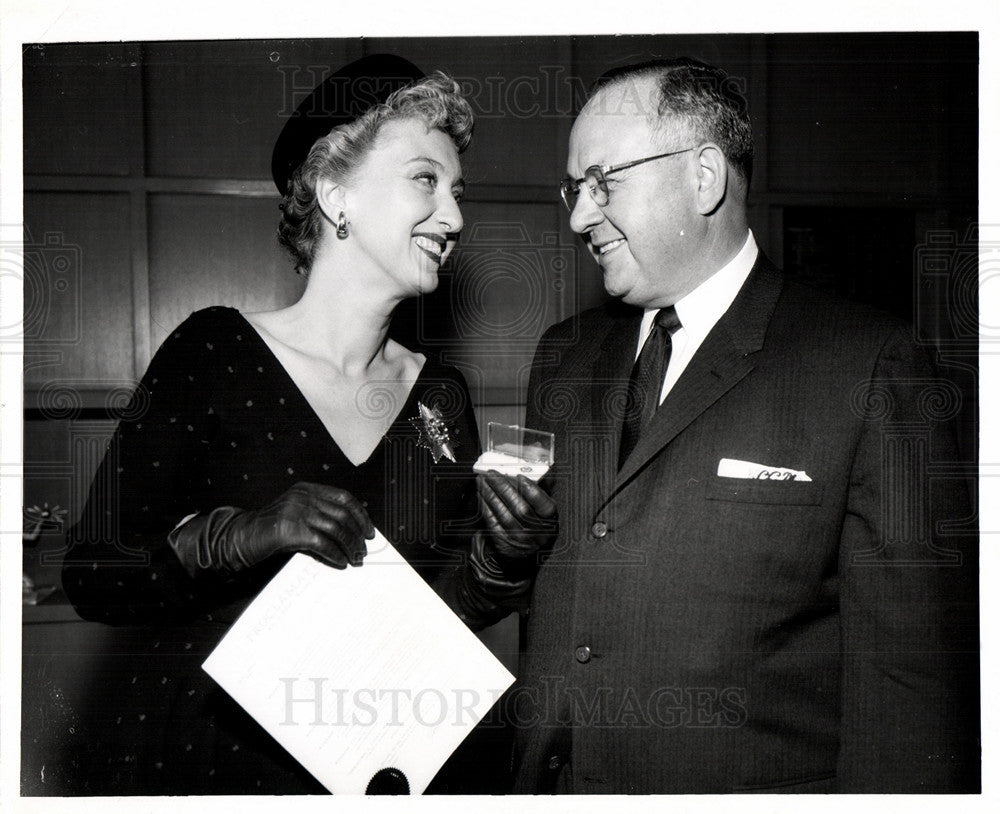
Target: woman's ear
{"points": [[330, 198], [713, 177]]}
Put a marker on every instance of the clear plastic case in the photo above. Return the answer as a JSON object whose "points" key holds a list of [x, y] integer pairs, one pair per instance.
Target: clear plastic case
{"points": [[514, 450]]}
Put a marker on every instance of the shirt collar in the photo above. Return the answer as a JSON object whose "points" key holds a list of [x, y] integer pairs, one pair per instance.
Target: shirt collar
{"points": [[699, 310]]}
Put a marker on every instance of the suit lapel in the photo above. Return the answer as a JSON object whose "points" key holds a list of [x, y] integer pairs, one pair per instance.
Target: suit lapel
{"points": [[608, 386], [725, 357]]}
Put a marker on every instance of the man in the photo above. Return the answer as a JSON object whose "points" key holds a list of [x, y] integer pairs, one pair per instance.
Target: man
{"points": [[752, 587]]}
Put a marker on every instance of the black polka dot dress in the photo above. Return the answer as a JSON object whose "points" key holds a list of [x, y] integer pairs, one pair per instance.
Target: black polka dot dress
{"points": [[217, 421]]}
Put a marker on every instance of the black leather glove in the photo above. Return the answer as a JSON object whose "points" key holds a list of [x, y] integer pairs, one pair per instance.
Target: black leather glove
{"points": [[521, 521], [481, 594], [326, 522]]}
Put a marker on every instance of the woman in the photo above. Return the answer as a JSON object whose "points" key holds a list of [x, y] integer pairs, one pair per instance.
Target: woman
{"points": [[255, 436]]}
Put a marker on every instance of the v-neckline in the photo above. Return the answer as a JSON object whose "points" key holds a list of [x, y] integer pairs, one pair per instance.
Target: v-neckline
{"points": [[312, 410]]}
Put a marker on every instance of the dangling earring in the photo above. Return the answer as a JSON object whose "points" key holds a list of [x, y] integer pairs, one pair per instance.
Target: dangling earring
{"points": [[342, 226]]}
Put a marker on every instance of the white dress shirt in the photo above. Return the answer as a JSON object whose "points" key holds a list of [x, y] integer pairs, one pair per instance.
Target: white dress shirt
{"points": [[700, 310]]}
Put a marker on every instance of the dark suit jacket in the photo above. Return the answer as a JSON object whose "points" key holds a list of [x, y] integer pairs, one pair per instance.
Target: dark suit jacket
{"points": [[696, 633]]}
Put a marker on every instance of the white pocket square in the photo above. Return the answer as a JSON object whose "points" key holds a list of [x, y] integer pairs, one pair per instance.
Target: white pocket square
{"points": [[731, 468]]}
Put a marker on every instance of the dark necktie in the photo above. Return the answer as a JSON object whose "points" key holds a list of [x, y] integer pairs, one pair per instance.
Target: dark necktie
{"points": [[646, 380]]}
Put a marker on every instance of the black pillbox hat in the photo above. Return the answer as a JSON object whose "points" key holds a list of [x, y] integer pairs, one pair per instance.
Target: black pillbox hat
{"points": [[338, 99]]}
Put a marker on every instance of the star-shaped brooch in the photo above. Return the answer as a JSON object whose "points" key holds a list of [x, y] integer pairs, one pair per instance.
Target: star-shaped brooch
{"points": [[433, 433]]}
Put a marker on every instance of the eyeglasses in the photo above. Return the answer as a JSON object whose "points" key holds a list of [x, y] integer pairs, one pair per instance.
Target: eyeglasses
{"points": [[595, 180]]}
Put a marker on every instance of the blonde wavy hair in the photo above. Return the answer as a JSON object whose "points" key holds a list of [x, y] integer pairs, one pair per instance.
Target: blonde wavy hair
{"points": [[437, 100]]}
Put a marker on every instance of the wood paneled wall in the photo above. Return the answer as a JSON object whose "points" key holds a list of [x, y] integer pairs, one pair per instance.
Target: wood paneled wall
{"points": [[147, 189]]}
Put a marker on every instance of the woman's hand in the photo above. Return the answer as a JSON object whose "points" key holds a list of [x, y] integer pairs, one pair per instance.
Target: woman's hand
{"points": [[326, 522], [521, 519], [521, 522]]}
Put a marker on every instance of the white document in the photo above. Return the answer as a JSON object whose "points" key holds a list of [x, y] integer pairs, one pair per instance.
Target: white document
{"points": [[359, 670]]}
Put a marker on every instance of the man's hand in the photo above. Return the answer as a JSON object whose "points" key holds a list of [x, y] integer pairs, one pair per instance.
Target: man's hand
{"points": [[521, 519]]}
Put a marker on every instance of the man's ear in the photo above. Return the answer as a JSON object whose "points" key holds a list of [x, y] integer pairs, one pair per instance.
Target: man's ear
{"points": [[713, 178], [330, 198]]}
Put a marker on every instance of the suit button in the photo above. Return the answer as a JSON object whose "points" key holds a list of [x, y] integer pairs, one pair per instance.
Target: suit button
{"points": [[599, 529], [582, 654], [554, 762]]}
